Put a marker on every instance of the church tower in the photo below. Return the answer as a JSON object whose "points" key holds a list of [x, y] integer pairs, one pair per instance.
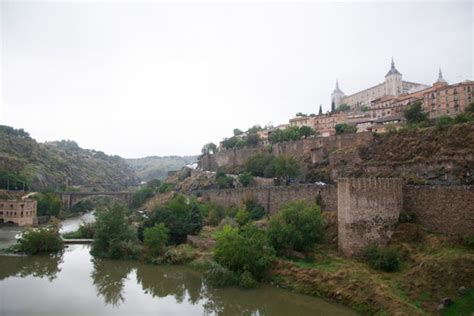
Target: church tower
{"points": [[393, 81], [440, 82], [336, 97]]}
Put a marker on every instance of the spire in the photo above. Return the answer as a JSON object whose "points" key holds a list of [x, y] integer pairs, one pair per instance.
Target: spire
{"points": [[440, 77], [337, 90], [393, 70]]}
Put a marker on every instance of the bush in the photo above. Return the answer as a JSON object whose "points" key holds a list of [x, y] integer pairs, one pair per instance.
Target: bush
{"points": [[443, 121], [215, 274], [180, 254], [261, 165], [414, 114], [141, 195], [297, 226], [244, 250], [155, 239], [245, 178], [385, 259], [114, 237], [242, 217], [44, 240], [469, 241], [48, 204], [165, 187], [256, 211], [247, 281], [215, 215], [224, 181], [180, 215], [344, 128], [406, 216]]}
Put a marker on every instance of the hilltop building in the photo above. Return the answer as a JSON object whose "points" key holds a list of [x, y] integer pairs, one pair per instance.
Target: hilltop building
{"points": [[393, 85]]}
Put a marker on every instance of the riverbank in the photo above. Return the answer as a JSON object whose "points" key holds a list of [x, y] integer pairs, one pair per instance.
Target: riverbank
{"points": [[433, 269]]}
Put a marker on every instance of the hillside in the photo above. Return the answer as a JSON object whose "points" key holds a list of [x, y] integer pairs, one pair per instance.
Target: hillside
{"points": [[52, 165], [154, 167]]}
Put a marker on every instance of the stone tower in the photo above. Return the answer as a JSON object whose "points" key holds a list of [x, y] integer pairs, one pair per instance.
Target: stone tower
{"points": [[336, 97], [393, 81]]}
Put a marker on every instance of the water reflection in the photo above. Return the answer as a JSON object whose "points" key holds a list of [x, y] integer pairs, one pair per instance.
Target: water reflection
{"points": [[36, 266], [109, 279], [34, 285]]}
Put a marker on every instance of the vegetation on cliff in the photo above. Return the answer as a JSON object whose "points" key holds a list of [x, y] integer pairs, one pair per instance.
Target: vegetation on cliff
{"points": [[25, 163], [154, 167]]}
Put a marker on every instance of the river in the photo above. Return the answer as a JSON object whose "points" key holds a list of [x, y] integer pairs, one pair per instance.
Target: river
{"points": [[74, 283]]}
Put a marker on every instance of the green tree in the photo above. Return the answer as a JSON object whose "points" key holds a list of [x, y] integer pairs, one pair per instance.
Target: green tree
{"points": [[414, 114], [306, 131], [300, 114], [344, 128], [286, 167], [470, 108], [155, 239], [223, 180], [43, 240], [180, 215], [297, 226], [244, 250], [209, 148], [237, 132], [114, 237], [261, 165], [141, 195], [254, 129], [320, 110], [48, 204], [343, 108], [255, 209], [252, 139], [245, 178]]}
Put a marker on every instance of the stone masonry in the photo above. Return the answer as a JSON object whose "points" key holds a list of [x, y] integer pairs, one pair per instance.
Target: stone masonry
{"points": [[368, 211]]}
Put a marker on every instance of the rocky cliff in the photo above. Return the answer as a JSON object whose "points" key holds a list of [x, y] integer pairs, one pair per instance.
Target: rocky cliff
{"points": [[155, 167], [54, 165]]}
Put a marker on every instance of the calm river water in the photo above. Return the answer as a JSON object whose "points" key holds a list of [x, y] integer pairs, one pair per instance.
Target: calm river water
{"points": [[75, 283]]}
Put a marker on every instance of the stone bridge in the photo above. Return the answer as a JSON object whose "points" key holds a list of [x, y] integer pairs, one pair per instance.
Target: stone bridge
{"points": [[69, 199]]}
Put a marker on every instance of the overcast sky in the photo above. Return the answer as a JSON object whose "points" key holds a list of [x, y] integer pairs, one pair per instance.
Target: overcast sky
{"points": [[139, 79]]}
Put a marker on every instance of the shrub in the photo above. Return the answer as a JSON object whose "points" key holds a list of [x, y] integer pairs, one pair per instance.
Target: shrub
{"points": [[261, 165], [141, 195], [297, 226], [469, 241], [406, 216], [165, 187], [242, 217], [42, 240], [385, 259], [180, 254], [247, 281], [244, 250], [48, 204], [414, 114], [155, 239], [344, 128], [256, 210], [180, 215], [215, 215], [224, 181], [443, 121], [245, 178], [114, 237]]}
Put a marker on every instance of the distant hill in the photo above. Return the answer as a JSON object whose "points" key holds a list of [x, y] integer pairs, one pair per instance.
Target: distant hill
{"points": [[154, 167], [52, 165]]}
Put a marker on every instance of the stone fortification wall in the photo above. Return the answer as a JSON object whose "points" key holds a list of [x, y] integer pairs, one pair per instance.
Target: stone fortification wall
{"points": [[272, 198], [316, 149], [443, 209], [368, 211]]}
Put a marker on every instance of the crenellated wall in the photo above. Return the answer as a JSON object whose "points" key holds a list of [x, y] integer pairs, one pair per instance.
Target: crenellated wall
{"points": [[443, 209], [368, 211]]}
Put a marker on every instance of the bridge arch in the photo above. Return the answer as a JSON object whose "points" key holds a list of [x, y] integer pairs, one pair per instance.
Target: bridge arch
{"points": [[69, 199]]}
